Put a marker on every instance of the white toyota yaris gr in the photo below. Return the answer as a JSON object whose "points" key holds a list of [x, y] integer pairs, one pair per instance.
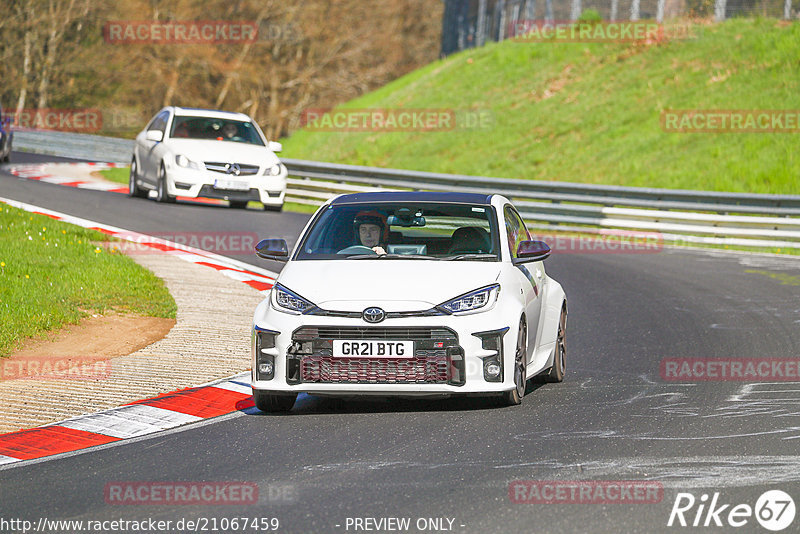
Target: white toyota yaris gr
{"points": [[408, 294], [206, 153]]}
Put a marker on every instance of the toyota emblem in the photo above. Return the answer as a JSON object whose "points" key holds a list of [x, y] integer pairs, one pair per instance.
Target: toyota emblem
{"points": [[373, 315]]}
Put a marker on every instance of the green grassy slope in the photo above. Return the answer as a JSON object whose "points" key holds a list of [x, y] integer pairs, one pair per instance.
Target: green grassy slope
{"points": [[591, 112]]}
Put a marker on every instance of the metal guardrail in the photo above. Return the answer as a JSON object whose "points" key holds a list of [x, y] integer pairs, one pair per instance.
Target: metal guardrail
{"points": [[737, 219]]}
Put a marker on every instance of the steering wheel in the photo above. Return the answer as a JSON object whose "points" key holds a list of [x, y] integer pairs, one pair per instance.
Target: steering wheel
{"points": [[357, 249]]}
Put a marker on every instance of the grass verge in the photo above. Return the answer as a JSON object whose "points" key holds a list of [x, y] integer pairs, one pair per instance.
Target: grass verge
{"points": [[53, 273], [591, 112]]}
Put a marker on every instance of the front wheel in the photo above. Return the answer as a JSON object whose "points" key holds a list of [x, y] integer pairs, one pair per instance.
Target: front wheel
{"points": [[133, 189], [556, 373], [161, 190], [237, 204], [272, 403], [514, 397], [273, 208]]}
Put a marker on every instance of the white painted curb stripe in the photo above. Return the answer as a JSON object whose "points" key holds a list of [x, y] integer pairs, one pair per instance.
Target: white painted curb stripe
{"points": [[129, 421], [233, 386]]}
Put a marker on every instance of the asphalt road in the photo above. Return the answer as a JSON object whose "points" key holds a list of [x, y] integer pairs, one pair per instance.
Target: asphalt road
{"points": [[614, 418]]}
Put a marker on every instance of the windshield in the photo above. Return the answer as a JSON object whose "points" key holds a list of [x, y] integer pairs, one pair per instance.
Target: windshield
{"points": [[437, 231], [208, 128]]}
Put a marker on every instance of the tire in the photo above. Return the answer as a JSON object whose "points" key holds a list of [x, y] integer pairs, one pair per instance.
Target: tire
{"points": [[271, 403], [276, 209], [238, 204], [133, 189], [514, 397], [556, 373], [161, 189]]}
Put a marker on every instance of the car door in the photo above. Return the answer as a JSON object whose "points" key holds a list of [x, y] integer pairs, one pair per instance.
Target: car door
{"points": [[150, 152], [530, 275]]}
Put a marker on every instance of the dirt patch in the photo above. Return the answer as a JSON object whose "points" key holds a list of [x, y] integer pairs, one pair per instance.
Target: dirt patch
{"points": [[94, 339]]}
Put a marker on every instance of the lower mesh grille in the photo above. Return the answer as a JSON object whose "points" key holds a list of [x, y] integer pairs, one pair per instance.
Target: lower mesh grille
{"points": [[310, 359], [425, 370]]}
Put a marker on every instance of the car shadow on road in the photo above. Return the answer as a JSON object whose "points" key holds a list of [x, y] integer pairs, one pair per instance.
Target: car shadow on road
{"points": [[319, 405]]}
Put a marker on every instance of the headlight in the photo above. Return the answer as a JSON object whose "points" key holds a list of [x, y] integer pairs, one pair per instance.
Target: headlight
{"points": [[286, 299], [183, 161], [479, 300], [275, 170]]}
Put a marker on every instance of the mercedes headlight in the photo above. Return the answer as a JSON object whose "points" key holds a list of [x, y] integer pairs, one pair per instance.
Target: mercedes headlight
{"points": [[287, 300], [183, 161], [275, 170], [475, 301]]}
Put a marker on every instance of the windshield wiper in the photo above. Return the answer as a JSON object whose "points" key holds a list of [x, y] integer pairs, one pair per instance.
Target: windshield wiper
{"points": [[390, 257], [458, 257]]}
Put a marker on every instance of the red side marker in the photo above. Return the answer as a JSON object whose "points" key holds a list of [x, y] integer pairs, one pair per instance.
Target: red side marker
{"points": [[48, 440], [261, 286], [204, 402]]}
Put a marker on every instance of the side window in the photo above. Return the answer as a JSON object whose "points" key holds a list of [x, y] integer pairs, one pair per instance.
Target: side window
{"points": [[515, 230], [160, 122]]}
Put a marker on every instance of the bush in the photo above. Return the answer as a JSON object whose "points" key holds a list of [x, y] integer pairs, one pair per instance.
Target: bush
{"points": [[590, 16]]}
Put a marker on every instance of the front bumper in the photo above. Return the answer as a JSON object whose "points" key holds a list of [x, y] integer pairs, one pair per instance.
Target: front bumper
{"points": [[449, 358], [193, 183]]}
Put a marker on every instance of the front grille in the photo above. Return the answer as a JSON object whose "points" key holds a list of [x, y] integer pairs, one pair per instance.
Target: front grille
{"points": [[244, 169], [208, 191], [413, 334], [310, 358]]}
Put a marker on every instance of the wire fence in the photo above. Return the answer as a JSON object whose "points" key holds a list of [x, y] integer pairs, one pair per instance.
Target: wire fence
{"points": [[471, 23]]}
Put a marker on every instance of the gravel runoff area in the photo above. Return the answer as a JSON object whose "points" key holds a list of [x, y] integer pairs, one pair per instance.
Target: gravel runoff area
{"points": [[211, 340]]}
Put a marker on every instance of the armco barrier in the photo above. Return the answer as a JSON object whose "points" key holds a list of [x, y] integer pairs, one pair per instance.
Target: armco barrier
{"points": [[701, 217]]}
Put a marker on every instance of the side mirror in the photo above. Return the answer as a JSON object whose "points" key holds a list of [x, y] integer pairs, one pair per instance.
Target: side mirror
{"points": [[532, 251], [154, 135], [273, 249], [274, 146]]}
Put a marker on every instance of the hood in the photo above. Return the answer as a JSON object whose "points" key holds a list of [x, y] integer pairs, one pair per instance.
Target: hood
{"points": [[394, 285], [223, 151]]}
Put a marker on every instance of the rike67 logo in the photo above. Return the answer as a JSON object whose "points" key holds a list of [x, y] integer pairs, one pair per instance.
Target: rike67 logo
{"points": [[774, 510]]}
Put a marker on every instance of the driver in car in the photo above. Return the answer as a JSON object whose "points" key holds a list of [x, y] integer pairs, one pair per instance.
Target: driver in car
{"points": [[371, 230]]}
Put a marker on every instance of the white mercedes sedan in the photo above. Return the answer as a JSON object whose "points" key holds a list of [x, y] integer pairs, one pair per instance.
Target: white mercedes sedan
{"points": [[205, 153], [408, 294]]}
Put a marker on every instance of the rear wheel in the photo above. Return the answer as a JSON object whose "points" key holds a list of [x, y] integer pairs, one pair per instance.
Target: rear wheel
{"points": [[161, 190], [272, 403], [133, 189], [514, 397], [556, 373]]}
